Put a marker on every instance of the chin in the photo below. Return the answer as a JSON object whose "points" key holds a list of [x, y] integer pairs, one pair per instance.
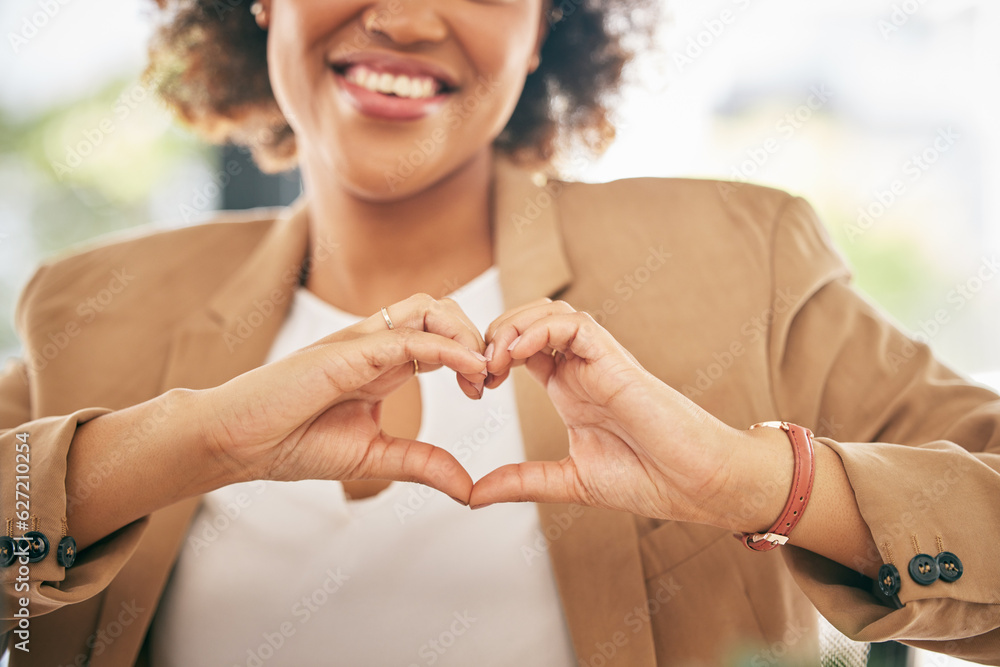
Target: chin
{"points": [[386, 164], [384, 182]]}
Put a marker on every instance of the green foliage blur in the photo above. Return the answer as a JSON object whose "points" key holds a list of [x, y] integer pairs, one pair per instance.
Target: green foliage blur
{"points": [[82, 170]]}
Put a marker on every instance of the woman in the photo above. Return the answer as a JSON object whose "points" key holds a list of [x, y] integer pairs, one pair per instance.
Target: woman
{"points": [[246, 353]]}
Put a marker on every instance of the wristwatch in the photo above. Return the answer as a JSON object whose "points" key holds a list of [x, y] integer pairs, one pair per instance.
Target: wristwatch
{"points": [[802, 483]]}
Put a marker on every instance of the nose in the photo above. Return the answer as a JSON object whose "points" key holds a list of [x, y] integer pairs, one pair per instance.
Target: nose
{"points": [[406, 22]]}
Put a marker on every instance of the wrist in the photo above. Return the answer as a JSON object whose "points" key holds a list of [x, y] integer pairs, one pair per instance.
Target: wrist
{"points": [[759, 480], [195, 419], [142, 458]]}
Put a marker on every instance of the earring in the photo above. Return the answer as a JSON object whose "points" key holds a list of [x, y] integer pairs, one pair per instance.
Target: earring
{"points": [[259, 14]]}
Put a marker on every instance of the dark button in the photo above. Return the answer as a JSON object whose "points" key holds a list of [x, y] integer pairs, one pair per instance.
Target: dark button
{"points": [[6, 551], [924, 569], [888, 580], [950, 566], [66, 552], [38, 545]]}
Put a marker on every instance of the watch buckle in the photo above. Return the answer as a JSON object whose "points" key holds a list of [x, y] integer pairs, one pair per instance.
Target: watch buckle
{"points": [[773, 538]]}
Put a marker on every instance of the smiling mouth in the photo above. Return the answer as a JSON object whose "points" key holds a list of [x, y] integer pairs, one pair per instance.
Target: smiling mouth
{"points": [[415, 87], [392, 90]]}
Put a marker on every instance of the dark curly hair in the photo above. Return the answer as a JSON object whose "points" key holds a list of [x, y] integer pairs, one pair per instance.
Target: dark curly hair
{"points": [[208, 62]]}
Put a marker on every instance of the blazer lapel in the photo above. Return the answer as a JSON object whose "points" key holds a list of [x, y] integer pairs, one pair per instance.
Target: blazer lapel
{"points": [[594, 552], [231, 336]]}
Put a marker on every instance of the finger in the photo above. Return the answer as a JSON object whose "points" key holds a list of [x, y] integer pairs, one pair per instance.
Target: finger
{"points": [[441, 316], [448, 310], [522, 316], [532, 481], [540, 366], [404, 460], [356, 363], [473, 390], [574, 335], [491, 329], [568, 336], [515, 325], [494, 381]]}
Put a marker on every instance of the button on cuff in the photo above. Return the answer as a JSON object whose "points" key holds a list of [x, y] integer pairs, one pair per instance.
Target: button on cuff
{"points": [[950, 566], [888, 580], [924, 569], [66, 552], [7, 549]]}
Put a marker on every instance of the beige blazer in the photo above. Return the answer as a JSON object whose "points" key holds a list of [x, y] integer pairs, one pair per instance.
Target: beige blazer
{"points": [[730, 293]]}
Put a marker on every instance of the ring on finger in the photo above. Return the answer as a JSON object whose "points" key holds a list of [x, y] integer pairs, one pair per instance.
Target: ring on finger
{"points": [[385, 316], [416, 367]]}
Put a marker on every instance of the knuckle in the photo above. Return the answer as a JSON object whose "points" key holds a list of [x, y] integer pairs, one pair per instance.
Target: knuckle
{"points": [[385, 354], [405, 337], [380, 358], [562, 305], [421, 300], [438, 308]]}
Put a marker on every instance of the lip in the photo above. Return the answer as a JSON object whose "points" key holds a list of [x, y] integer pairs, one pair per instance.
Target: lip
{"points": [[388, 107], [394, 64]]}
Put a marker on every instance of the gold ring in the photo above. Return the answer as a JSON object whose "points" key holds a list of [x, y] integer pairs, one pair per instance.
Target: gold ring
{"points": [[416, 367], [554, 353], [385, 316]]}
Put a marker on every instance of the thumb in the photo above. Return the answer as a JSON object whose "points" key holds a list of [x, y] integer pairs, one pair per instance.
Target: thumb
{"points": [[405, 460], [532, 481]]}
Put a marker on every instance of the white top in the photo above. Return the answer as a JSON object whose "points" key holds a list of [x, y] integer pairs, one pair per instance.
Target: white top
{"points": [[293, 573]]}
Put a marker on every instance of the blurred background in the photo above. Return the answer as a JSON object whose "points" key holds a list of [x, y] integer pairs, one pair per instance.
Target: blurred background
{"points": [[835, 101], [881, 113]]}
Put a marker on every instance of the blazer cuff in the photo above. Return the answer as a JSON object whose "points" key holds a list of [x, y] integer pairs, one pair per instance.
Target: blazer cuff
{"points": [[914, 499], [48, 585]]}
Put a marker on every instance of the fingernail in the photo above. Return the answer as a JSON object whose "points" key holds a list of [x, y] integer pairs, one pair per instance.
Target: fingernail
{"points": [[484, 373], [489, 352], [478, 356], [479, 388], [513, 344], [460, 502], [479, 507]]}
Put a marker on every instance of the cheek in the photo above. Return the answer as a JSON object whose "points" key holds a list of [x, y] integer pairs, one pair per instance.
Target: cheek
{"points": [[285, 70], [295, 53], [501, 64]]}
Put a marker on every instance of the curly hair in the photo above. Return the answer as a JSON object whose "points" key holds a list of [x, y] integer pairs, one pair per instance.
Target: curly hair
{"points": [[208, 62]]}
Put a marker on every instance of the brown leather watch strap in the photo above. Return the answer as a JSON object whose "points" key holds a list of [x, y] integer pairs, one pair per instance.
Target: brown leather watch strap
{"points": [[802, 484]]}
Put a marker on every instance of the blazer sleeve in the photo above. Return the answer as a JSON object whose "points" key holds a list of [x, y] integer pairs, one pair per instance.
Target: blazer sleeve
{"points": [[45, 586], [920, 444]]}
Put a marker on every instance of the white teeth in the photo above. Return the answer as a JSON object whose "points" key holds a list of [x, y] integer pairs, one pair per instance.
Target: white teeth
{"points": [[417, 87], [402, 86], [385, 82]]}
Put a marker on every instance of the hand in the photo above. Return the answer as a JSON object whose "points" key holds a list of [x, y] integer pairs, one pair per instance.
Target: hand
{"points": [[316, 413], [635, 444]]}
